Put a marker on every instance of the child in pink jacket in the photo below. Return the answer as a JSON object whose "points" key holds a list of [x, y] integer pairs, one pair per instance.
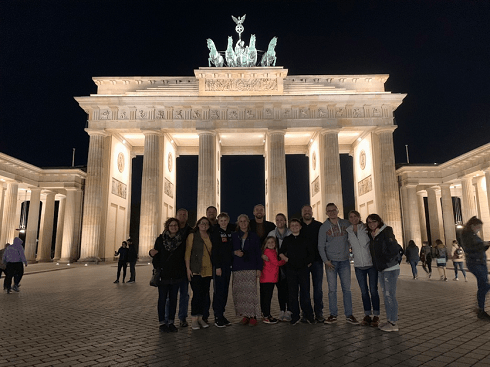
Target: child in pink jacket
{"points": [[269, 277]]}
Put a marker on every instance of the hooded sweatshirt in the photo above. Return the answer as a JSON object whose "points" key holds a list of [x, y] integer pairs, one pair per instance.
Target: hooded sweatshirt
{"points": [[333, 244], [15, 253], [360, 246]]}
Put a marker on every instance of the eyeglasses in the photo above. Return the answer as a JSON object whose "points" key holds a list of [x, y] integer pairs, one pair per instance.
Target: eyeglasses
{"points": [[331, 211], [372, 221]]}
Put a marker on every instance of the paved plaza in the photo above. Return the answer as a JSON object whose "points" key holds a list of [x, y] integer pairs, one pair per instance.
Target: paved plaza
{"points": [[75, 316]]}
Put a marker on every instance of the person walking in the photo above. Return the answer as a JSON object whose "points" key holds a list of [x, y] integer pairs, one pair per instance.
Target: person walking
{"points": [[426, 258], [269, 277], [310, 228], [132, 258], [364, 269], [13, 257], [247, 267], [412, 254], [386, 254], [458, 260], [168, 256], [333, 246], [222, 258], [199, 269], [123, 261], [441, 259], [280, 233], [476, 261], [2, 265]]}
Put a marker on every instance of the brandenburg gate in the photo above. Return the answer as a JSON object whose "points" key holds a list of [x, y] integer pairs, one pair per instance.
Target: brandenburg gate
{"points": [[233, 110]]}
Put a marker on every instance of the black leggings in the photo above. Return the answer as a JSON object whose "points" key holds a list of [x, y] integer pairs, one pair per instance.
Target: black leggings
{"points": [[266, 290], [124, 266]]}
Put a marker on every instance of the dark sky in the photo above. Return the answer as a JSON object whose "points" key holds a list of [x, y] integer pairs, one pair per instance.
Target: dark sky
{"points": [[438, 52]]}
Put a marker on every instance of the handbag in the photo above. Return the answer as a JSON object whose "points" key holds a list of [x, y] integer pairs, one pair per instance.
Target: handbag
{"points": [[441, 260], [155, 280]]}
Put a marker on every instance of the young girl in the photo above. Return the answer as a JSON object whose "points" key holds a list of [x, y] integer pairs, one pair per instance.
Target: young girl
{"points": [[269, 277]]}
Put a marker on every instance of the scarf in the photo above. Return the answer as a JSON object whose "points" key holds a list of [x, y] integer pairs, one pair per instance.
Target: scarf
{"points": [[171, 243]]}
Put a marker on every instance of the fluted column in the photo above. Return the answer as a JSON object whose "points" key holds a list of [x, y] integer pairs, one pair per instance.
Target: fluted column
{"points": [[94, 193], [422, 218], [413, 214], [331, 180], [388, 200], [59, 229], [448, 215], [69, 239], [2, 196], [487, 184], [206, 180], [482, 205], [468, 207], [433, 215], [150, 198], [9, 220], [277, 185], [32, 225], [46, 231]]}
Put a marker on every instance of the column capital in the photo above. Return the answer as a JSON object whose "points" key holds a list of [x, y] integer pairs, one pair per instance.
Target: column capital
{"points": [[329, 130], [206, 132], [387, 128], [97, 132], [276, 131], [151, 132]]}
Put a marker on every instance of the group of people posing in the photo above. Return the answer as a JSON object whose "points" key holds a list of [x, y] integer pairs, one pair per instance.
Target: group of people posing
{"points": [[278, 256]]}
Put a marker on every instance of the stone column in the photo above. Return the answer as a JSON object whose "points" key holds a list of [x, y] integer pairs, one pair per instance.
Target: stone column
{"points": [[93, 205], [277, 186], [482, 205], [206, 181], [59, 229], [468, 207], [70, 235], [413, 214], [422, 218], [1, 208], [9, 220], [433, 215], [150, 193], [331, 180], [448, 215], [487, 184], [388, 200], [46, 231], [32, 225]]}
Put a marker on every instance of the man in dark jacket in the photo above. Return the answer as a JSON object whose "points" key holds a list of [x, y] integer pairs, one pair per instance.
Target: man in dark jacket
{"points": [[132, 258], [259, 225], [309, 229]]}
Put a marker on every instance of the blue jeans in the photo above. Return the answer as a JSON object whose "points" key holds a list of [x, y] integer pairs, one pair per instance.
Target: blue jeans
{"points": [[480, 271], [220, 291], [316, 270], [167, 314], [299, 281], [342, 268], [362, 278], [183, 301], [458, 264], [413, 264], [387, 282]]}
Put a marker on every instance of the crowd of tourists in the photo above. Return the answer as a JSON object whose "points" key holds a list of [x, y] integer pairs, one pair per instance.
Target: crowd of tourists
{"points": [[256, 256]]}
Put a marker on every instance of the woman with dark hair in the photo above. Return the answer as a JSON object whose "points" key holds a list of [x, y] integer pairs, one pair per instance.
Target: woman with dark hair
{"points": [[168, 256], [441, 259], [199, 269], [426, 257], [412, 253], [247, 266], [364, 269], [386, 255], [458, 260], [476, 261]]}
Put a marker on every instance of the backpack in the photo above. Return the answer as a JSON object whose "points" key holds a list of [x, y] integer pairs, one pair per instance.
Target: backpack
{"points": [[441, 252], [459, 253]]}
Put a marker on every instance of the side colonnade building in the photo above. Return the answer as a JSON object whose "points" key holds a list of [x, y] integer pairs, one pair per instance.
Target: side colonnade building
{"points": [[436, 200], [31, 198], [233, 111]]}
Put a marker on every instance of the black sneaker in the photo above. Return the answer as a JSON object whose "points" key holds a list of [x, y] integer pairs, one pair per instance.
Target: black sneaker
{"points": [[311, 320], [225, 320], [183, 323], [482, 315], [172, 328], [164, 328], [219, 323], [304, 320], [320, 319], [330, 319], [116, 281], [131, 281], [205, 319], [295, 320]]}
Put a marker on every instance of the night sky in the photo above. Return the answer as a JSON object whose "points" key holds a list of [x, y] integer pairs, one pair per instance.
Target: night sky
{"points": [[438, 52]]}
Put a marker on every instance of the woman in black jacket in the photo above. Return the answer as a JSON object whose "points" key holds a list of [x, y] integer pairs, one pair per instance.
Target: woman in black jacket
{"points": [[386, 254], [168, 255]]}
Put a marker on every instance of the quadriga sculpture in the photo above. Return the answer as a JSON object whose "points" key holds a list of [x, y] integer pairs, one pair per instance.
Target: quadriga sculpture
{"points": [[269, 58], [252, 52], [230, 54], [214, 56]]}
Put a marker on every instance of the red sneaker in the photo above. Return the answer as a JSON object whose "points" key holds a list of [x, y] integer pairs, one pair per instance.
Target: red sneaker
{"points": [[244, 321], [252, 322]]}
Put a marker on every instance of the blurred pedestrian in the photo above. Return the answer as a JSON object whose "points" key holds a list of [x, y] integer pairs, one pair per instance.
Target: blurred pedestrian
{"points": [[132, 258], [458, 260], [13, 257], [412, 254], [426, 257], [441, 259], [123, 261]]}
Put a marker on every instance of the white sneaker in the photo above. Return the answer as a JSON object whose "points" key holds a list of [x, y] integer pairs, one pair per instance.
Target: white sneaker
{"points": [[456, 279], [287, 315], [466, 280], [281, 316], [389, 327]]}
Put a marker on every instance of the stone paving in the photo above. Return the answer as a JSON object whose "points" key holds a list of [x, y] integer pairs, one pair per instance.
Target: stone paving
{"points": [[76, 316]]}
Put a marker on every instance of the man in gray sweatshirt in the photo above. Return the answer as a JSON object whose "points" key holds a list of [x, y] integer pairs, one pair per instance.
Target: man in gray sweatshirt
{"points": [[333, 246]]}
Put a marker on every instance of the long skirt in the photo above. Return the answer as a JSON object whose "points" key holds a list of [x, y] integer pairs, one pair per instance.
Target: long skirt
{"points": [[245, 293]]}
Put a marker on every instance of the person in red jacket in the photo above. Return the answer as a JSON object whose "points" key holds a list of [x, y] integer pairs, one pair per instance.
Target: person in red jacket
{"points": [[269, 277]]}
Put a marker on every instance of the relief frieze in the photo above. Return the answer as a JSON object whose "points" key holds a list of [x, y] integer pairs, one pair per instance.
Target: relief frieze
{"points": [[168, 188], [315, 186], [119, 188], [256, 84], [364, 186]]}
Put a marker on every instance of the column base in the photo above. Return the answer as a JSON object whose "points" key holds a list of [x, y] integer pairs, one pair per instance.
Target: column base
{"points": [[66, 261], [94, 260], [32, 261], [44, 261]]}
